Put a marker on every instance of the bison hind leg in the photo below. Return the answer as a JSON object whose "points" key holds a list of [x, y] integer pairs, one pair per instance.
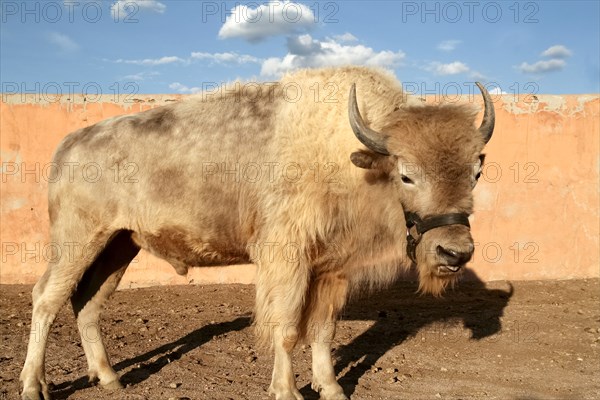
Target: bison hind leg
{"points": [[94, 289], [53, 289]]}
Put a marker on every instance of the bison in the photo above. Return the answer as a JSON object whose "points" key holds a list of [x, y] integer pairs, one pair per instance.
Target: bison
{"points": [[330, 181]]}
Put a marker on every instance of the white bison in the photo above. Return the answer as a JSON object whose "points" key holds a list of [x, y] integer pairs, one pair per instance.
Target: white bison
{"points": [[330, 180]]}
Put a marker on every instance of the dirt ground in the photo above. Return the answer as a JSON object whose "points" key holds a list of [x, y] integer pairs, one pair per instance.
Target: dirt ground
{"points": [[542, 341]]}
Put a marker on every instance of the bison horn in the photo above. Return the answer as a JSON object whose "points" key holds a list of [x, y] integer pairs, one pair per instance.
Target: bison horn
{"points": [[489, 117], [370, 138]]}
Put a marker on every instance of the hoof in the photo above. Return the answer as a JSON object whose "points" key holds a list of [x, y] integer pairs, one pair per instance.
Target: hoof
{"points": [[335, 396], [286, 394], [114, 385], [31, 396], [36, 395], [332, 392]]}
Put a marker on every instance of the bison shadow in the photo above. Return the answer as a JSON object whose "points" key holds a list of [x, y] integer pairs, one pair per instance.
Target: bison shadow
{"points": [[398, 313], [167, 353]]}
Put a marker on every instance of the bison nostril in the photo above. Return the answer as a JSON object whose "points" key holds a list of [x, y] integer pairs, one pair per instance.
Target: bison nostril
{"points": [[445, 252], [453, 257], [471, 248]]}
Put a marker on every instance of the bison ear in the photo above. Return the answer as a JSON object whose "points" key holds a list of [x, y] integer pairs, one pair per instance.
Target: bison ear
{"points": [[363, 159], [369, 160]]}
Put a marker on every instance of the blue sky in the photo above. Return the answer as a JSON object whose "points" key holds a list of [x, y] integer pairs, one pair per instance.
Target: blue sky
{"points": [[166, 46]]}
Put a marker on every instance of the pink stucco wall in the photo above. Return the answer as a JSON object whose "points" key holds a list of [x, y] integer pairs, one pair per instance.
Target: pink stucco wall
{"points": [[536, 206]]}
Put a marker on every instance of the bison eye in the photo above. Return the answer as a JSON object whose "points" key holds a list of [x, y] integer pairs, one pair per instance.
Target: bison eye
{"points": [[478, 176], [407, 180]]}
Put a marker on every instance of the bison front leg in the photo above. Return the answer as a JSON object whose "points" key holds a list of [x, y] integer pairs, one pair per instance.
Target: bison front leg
{"points": [[328, 294], [283, 382], [280, 294], [323, 380]]}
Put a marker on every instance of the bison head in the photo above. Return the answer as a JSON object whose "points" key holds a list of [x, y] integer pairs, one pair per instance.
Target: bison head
{"points": [[432, 155]]}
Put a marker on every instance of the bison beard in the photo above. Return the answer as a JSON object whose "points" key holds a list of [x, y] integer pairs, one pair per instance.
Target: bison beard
{"points": [[345, 227]]}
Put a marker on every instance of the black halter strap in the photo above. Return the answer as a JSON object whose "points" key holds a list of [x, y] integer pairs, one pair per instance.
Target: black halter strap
{"points": [[424, 225]]}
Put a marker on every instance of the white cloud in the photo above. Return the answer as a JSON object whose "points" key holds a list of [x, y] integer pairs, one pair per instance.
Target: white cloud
{"points": [[271, 19], [496, 90], [448, 45], [346, 37], [230, 58], [306, 52], [226, 58], [141, 76], [63, 42], [152, 61], [542, 66], [557, 54], [184, 89], [557, 51], [304, 45], [477, 76], [452, 68], [123, 8]]}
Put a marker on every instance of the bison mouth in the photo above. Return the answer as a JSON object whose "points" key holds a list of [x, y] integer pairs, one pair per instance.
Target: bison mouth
{"points": [[443, 270]]}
